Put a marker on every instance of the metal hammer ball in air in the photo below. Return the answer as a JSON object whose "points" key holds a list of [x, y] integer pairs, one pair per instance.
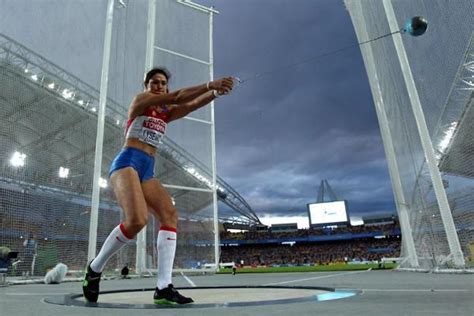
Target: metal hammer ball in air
{"points": [[416, 26]]}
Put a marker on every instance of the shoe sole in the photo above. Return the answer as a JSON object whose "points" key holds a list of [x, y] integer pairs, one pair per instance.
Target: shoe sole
{"points": [[87, 299], [164, 301]]}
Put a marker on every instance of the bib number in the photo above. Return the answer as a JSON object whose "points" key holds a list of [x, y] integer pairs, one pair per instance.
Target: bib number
{"points": [[151, 137]]}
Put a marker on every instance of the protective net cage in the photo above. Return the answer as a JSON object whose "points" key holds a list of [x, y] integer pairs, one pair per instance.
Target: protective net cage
{"points": [[441, 62], [50, 73]]}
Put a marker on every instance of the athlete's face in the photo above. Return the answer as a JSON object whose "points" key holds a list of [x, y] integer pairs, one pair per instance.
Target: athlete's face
{"points": [[158, 84]]}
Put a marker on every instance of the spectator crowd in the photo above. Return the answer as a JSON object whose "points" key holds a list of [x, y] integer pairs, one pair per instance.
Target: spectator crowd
{"points": [[261, 252], [312, 253]]}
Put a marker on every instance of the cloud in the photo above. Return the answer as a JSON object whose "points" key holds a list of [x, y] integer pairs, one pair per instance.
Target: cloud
{"points": [[288, 127], [352, 164]]}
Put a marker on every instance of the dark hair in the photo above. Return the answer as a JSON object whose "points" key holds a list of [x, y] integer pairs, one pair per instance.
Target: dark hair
{"points": [[157, 70]]}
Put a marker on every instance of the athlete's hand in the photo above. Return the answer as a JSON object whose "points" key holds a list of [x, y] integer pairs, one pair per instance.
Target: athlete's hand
{"points": [[223, 85]]}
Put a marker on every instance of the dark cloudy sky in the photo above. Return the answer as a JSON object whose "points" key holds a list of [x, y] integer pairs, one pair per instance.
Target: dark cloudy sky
{"points": [[279, 135]]}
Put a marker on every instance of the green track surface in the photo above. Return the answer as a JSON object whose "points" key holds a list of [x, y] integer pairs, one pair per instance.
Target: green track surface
{"points": [[332, 267]]}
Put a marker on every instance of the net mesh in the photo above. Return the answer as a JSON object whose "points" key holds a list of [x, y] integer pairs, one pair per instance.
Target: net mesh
{"points": [[49, 97], [185, 52], [441, 65]]}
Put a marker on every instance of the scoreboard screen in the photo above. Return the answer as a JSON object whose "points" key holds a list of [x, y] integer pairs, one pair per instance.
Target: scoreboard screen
{"points": [[327, 213]]}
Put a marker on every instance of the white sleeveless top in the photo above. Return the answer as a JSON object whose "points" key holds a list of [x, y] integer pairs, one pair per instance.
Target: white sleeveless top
{"points": [[150, 127]]}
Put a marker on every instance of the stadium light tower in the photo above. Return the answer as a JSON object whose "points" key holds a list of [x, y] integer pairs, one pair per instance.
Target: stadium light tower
{"points": [[325, 190]]}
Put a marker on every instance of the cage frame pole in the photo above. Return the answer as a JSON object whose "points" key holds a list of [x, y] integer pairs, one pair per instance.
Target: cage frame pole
{"points": [[441, 197], [140, 258], [213, 149], [104, 80], [400, 200]]}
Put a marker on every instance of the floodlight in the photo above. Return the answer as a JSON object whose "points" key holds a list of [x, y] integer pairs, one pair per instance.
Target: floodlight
{"points": [[34, 77], [199, 176], [51, 85], [18, 159], [67, 94], [63, 172]]}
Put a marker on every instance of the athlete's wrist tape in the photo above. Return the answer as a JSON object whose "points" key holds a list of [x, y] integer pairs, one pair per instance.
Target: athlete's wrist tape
{"points": [[216, 94], [207, 86]]}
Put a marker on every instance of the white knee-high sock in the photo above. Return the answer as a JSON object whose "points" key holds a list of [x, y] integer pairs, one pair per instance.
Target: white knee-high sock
{"points": [[118, 238], [166, 246]]}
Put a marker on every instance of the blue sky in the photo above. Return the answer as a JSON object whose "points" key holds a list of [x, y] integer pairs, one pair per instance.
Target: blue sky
{"points": [[280, 134]]}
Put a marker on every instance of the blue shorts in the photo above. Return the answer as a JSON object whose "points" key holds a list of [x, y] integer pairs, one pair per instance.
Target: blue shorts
{"points": [[139, 160]]}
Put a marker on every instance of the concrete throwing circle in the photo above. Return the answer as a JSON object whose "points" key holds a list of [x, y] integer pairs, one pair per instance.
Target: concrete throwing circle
{"points": [[209, 297]]}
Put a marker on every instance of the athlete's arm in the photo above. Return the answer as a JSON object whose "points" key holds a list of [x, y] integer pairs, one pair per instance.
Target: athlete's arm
{"points": [[143, 100], [181, 110]]}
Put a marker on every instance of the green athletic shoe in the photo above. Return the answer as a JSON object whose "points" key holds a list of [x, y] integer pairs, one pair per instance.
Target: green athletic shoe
{"points": [[90, 285], [169, 296]]}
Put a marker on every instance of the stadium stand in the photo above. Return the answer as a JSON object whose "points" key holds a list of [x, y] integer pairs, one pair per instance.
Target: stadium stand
{"points": [[312, 246]]}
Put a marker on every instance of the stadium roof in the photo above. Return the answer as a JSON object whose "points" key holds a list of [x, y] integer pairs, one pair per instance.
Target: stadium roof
{"points": [[461, 147], [456, 147]]}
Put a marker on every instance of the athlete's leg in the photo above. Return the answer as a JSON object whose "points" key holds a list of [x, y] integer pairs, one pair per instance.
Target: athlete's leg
{"points": [[159, 202], [128, 191], [129, 196]]}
